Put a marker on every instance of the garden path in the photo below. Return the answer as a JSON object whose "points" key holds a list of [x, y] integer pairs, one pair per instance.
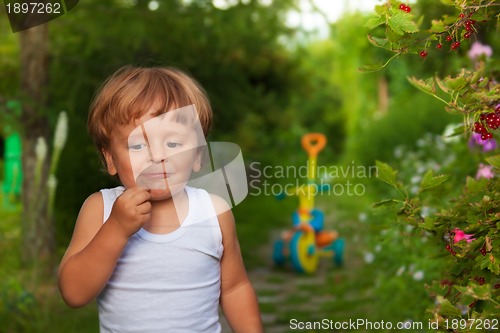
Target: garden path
{"points": [[332, 293]]}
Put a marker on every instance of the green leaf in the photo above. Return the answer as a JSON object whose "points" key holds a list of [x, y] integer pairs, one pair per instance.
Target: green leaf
{"points": [[374, 22], [402, 22], [476, 186], [476, 291], [379, 42], [446, 308], [442, 85], [386, 174], [437, 26], [457, 83], [494, 264], [386, 202], [381, 9], [430, 181], [447, 19], [428, 224], [494, 160], [371, 68], [484, 82], [394, 38], [426, 86]]}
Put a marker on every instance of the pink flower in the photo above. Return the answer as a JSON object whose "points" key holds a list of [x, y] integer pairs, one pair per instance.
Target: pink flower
{"points": [[485, 171], [477, 49], [460, 235], [487, 145]]}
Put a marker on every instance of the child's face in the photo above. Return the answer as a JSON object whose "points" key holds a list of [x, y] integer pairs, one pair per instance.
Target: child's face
{"points": [[158, 153]]}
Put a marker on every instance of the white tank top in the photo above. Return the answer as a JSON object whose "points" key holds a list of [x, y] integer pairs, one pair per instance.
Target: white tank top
{"points": [[166, 282]]}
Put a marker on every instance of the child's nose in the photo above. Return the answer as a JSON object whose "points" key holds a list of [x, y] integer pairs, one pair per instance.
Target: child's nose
{"points": [[157, 153]]}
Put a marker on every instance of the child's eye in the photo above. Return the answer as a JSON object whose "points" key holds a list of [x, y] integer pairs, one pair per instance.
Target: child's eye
{"points": [[136, 147], [172, 144]]}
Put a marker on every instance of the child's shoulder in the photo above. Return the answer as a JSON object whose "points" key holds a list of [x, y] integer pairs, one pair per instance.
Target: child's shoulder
{"points": [[220, 205], [93, 201], [99, 198]]}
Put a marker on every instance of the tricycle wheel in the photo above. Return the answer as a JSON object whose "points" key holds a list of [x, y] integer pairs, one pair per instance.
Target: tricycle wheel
{"points": [[303, 252], [278, 255]]}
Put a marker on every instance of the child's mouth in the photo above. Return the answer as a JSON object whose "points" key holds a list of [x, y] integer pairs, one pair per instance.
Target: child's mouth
{"points": [[156, 175]]}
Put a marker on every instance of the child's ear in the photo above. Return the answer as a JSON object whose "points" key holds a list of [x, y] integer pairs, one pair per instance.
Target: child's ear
{"points": [[197, 163], [200, 153], [109, 162]]}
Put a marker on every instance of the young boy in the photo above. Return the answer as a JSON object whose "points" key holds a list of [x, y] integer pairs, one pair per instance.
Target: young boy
{"points": [[158, 255]]}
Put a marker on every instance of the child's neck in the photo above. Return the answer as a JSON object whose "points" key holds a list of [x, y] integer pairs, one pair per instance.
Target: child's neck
{"points": [[168, 214]]}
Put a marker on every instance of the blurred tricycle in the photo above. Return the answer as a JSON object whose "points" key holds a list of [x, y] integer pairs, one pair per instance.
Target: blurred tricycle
{"points": [[306, 242]]}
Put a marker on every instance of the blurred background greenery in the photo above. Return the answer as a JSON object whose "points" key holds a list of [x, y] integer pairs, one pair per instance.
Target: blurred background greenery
{"points": [[269, 82]]}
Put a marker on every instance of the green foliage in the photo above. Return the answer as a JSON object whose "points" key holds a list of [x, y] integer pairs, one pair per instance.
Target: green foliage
{"points": [[471, 93], [16, 305], [401, 32], [469, 287], [9, 73], [473, 266]]}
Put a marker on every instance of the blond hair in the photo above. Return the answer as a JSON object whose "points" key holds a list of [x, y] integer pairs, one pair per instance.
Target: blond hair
{"points": [[132, 92]]}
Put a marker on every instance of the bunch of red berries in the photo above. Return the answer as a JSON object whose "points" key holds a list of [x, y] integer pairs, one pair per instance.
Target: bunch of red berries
{"points": [[450, 249], [469, 27], [465, 21], [405, 8], [489, 120], [455, 45]]}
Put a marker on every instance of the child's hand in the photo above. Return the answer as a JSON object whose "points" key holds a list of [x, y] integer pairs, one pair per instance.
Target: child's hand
{"points": [[131, 210]]}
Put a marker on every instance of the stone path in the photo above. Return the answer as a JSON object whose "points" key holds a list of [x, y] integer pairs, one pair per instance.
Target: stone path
{"points": [[284, 295]]}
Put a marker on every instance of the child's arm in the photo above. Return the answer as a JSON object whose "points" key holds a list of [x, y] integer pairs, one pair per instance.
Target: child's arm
{"points": [[238, 299], [95, 247]]}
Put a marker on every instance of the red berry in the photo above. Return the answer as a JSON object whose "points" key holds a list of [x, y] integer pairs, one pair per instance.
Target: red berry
{"points": [[497, 286], [467, 34], [469, 25], [492, 120], [479, 128], [462, 15], [439, 46], [455, 45], [448, 38], [405, 8], [486, 136], [423, 54]]}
